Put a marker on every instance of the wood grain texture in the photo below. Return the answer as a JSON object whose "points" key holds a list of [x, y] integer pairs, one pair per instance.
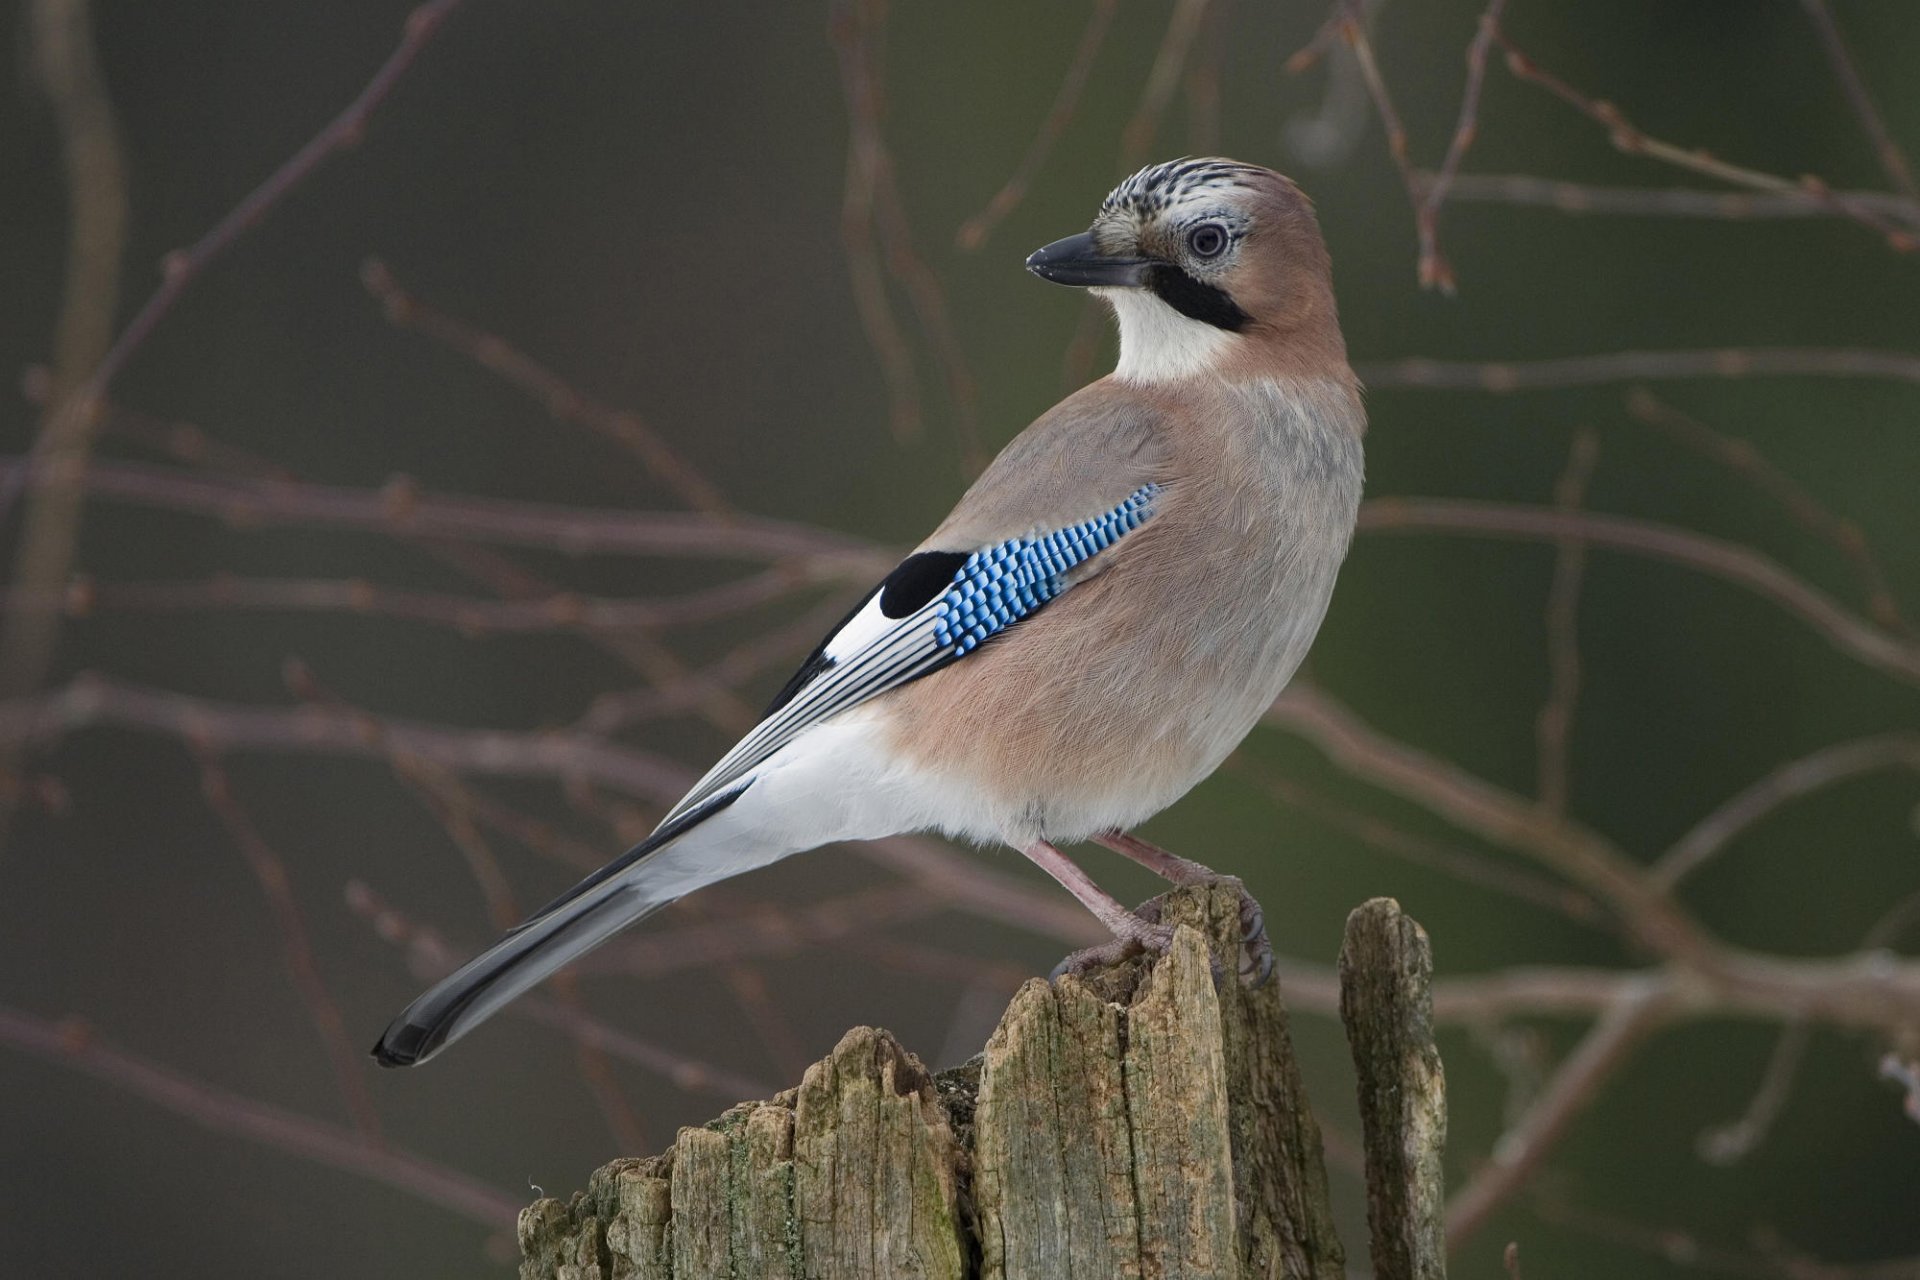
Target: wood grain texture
{"points": [[1386, 1002], [1145, 1122]]}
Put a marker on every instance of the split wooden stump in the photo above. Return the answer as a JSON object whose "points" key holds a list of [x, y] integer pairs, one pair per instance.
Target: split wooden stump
{"points": [[1145, 1121]]}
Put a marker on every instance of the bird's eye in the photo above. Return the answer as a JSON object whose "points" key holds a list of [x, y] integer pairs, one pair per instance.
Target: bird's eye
{"points": [[1208, 240]]}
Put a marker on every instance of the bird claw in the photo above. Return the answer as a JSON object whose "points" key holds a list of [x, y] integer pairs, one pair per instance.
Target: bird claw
{"points": [[1146, 933]]}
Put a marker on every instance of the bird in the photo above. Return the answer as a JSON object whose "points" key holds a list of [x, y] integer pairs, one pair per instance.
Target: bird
{"points": [[1101, 620]]}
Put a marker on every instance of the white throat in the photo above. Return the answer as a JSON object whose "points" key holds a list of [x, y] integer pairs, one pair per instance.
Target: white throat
{"points": [[1157, 343]]}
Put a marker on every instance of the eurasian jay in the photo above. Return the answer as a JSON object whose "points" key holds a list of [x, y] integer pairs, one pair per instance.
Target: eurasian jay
{"points": [[1102, 619]]}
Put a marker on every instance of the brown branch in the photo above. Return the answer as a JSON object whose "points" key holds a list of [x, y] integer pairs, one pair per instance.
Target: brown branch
{"points": [[1810, 773], [1163, 78], [1664, 202], [1434, 269], [1863, 989], [613, 712], [1727, 1144], [270, 870], [963, 882], [1502, 376], [1573, 1088], [1628, 138], [1894, 655], [184, 266], [1554, 725], [1462, 864], [1451, 793], [401, 509], [874, 202], [74, 1045], [1802, 507], [560, 611], [430, 958], [1898, 171], [1203, 81], [1355, 32], [563, 401], [65, 64], [975, 230]]}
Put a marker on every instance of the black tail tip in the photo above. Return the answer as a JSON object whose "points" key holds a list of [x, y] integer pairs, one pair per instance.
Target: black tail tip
{"points": [[404, 1045]]}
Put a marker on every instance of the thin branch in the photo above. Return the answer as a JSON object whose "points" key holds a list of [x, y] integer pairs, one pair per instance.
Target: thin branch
{"points": [[975, 230], [1805, 510], [1572, 1090], [1894, 655], [874, 203], [1865, 989], [1664, 202], [69, 73], [1434, 269], [1462, 864], [1554, 725], [562, 400], [1502, 376], [430, 958], [472, 616], [1629, 139], [270, 870], [1812, 772], [401, 509], [184, 266], [1898, 171], [1730, 1143], [1432, 272], [75, 1046], [1452, 793]]}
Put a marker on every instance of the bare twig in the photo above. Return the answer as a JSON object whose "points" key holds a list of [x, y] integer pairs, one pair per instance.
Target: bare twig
{"points": [[564, 401], [559, 612], [1434, 269], [1898, 171], [1628, 138], [69, 73], [1810, 773], [1572, 1089], [1461, 863], [1664, 202], [1554, 726], [1729, 1143], [1502, 376], [430, 958], [74, 1045], [1806, 510], [401, 509], [270, 870], [975, 230], [1895, 655], [874, 203]]}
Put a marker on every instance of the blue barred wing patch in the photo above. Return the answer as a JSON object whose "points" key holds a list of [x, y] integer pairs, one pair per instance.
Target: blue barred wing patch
{"points": [[994, 588], [1002, 584]]}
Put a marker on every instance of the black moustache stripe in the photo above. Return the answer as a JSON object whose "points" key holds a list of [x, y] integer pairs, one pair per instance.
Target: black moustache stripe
{"points": [[1193, 298]]}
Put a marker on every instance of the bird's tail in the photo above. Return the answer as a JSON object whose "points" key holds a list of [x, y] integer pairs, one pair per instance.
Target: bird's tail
{"points": [[670, 863]]}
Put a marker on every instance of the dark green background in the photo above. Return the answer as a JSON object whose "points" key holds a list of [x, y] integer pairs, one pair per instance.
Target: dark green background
{"points": [[646, 197]]}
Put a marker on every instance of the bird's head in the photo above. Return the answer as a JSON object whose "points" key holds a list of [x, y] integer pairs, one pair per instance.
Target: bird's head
{"points": [[1214, 268]]}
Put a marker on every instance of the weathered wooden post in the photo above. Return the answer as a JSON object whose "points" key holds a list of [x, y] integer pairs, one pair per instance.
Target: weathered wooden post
{"points": [[1146, 1121]]}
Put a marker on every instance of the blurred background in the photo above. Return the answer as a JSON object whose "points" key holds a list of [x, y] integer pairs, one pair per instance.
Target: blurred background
{"points": [[384, 615]]}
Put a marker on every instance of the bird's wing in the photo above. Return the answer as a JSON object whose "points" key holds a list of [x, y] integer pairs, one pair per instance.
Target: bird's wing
{"points": [[934, 609]]}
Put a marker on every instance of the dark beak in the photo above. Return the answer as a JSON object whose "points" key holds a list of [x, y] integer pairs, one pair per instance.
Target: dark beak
{"points": [[1076, 260]]}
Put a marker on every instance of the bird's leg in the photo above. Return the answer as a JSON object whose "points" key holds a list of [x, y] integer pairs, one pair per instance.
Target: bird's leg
{"points": [[1131, 932], [1257, 963]]}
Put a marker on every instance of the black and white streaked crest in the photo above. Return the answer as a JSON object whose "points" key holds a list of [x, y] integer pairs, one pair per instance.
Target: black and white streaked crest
{"points": [[1159, 187]]}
